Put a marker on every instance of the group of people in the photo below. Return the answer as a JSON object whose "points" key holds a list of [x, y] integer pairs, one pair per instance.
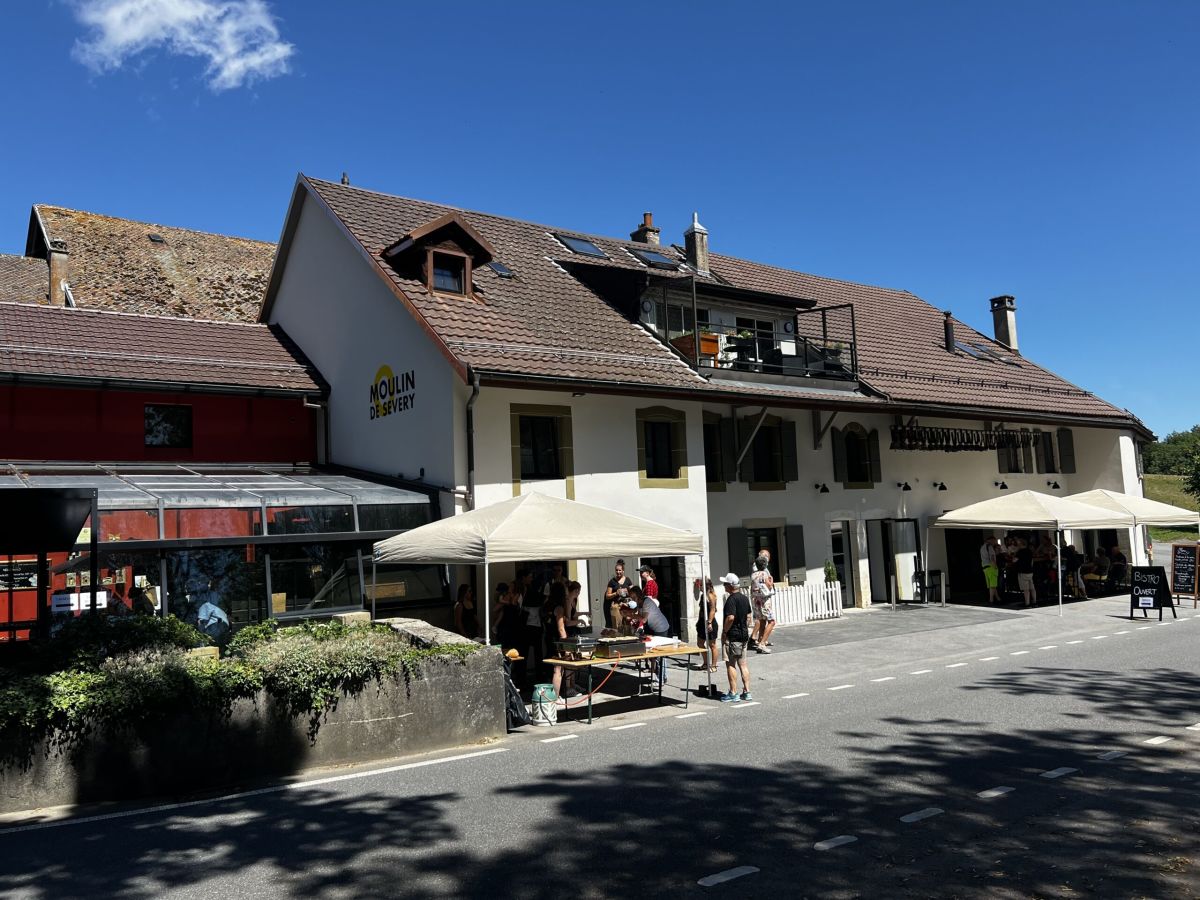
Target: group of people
{"points": [[736, 624], [1022, 565]]}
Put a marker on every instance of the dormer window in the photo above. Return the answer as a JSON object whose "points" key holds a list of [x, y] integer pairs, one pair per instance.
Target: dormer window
{"points": [[449, 272]]}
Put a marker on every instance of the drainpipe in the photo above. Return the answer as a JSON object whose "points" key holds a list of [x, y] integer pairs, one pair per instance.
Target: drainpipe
{"points": [[473, 378]]}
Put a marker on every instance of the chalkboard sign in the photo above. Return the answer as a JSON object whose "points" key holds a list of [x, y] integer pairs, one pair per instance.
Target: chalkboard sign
{"points": [[1183, 568], [1149, 590]]}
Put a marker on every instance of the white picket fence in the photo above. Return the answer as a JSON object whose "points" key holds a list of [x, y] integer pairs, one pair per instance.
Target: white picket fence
{"points": [[807, 602]]}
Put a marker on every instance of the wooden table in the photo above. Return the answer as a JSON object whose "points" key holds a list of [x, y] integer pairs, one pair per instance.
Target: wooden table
{"points": [[685, 650]]}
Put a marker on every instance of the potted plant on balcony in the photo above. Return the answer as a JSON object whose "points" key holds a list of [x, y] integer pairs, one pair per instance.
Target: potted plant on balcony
{"points": [[686, 344]]}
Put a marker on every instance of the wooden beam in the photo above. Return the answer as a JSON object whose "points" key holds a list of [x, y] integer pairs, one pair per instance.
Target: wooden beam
{"points": [[819, 430]]}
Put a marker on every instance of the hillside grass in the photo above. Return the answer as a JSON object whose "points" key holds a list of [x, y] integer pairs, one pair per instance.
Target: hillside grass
{"points": [[1169, 489]]}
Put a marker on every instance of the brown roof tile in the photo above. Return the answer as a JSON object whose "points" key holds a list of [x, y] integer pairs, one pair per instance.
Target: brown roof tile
{"points": [[112, 264], [52, 343], [23, 279], [548, 323]]}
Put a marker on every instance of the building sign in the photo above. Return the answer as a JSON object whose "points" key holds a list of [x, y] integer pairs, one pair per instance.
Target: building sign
{"points": [[1149, 590], [954, 440], [18, 575], [391, 393]]}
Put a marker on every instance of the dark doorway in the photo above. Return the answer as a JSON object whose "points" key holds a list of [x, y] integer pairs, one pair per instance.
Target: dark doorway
{"points": [[668, 570], [962, 564], [842, 538]]}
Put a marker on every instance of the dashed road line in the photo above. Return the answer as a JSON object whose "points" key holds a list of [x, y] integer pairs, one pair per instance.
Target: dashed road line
{"points": [[884, 678], [794, 696], [988, 658], [927, 813], [921, 672], [955, 665], [1121, 632], [743, 704], [630, 725], [1144, 627], [1099, 637], [839, 687], [727, 875], [1049, 647], [839, 841], [1113, 754], [1018, 653], [1161, 739], [691, 715], [1074, 642], [1059, 772], [561, 737], [992, 793], [1195, 727]]}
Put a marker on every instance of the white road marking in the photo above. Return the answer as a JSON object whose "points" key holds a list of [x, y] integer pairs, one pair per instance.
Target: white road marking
{"points": [[840, 687], [1059, 773], [1161, 739], [630, 725], [275, 789], [1018, 653], [1099, 637], [1121, 632], [727, 875], [988, 658], [1144, 627], [921, 672], [1049, 647], [745, 703], [794, 696], [691, 715], [927, 813], [955, 665], [992, 793], [561, 737], [884, 678], [1195, 727], [1074, 642], [1113, 754], [835, 842]]}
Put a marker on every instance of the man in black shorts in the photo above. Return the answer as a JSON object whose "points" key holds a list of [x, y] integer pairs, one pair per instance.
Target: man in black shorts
{"points": [[736, 633]]}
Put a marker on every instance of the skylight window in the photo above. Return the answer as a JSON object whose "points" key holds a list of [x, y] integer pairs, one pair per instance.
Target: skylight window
{"points": [[156, 238], [969, 350], [501, 269], [992, 354], [654, 259], [581, 246]]}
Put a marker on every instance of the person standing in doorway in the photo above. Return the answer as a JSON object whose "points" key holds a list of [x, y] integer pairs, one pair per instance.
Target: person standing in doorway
{"points": [[989, 553], [736, 634], [1025, 572], [616, 594]]}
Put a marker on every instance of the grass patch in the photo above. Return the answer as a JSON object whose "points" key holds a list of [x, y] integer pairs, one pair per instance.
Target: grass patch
{"points": [[1169, 489]]}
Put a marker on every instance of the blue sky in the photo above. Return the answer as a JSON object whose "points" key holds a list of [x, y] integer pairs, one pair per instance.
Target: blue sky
{"points": [[958, 150]]}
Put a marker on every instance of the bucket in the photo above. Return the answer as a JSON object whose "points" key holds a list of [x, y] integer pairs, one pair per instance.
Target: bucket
{"points": [[545, 709]]}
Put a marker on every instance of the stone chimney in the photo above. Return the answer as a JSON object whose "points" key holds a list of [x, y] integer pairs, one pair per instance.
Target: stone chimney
{"points": [[948, 328], [1004, 321], [646, 232], [56, 255], [695, 241]]}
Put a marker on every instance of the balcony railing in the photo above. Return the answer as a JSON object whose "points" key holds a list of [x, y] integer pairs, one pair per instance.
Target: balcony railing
{"points": [[768, 352]]}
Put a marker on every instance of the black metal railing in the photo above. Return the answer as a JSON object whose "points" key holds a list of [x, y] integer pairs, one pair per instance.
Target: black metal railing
{"points": [[768, 352]]}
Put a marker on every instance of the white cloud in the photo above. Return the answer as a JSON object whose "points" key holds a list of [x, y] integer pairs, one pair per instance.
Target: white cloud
{"points": [[238, 39]]}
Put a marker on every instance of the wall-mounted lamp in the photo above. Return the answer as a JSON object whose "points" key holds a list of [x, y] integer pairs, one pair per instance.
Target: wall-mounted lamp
{"points": [[904, 485], [940, 485], [578, 394], [821, 488], [1053, 485], [1003, 485]]}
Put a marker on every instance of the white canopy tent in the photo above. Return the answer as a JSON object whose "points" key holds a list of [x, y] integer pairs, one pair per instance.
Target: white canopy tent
{"points": [[1033, 510], [532, 527], [1144, 510]]}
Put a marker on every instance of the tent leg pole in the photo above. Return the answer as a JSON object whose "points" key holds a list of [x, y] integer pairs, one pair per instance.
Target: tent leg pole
{"points": [[1059, 574], [487, 607], [374, 585]]}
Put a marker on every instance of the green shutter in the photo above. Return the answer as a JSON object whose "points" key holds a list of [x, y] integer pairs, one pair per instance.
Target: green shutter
{"points": [[1040, 451], [789, 465], [873, 450], [793, 537], [1002, 460], [747, 473], [839, 455], [1026, 456], [739, 556], [1066, 451], [728, 449]]}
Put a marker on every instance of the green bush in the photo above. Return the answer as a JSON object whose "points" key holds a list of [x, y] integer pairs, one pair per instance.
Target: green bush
{"points": [[307, 667], [86, 641]]}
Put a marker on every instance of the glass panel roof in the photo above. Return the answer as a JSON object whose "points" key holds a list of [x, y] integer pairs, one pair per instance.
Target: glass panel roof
{"points": [[581, 245], [655, 259], [501, 269], [179, 487]]}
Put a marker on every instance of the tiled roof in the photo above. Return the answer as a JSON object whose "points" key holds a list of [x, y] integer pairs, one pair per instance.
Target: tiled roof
{"points": [[54, 342], [548, 323], [113, 264], [23, 279]]}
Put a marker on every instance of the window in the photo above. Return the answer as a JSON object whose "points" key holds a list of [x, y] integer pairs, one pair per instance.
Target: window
{"points": [[501, 269], [1045, 453], [168, 427], [309, 577], [654, 259], [856, 462], [449, 273], [1066, 451], [771, 460], [1019, 459], [713, 470], [581, 246], [765, 454], [392, 516], [662, 447], [539, 448]]}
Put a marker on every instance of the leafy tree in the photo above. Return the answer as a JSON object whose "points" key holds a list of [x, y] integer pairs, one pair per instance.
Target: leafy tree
{"points": [[1191, 477], [1172, 455]]}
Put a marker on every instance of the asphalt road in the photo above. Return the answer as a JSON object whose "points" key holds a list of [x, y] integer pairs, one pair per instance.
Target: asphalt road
{"points": [[1006, 756]]}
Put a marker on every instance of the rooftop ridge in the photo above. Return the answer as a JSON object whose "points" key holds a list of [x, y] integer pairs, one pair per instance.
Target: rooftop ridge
{"points": [[85, 212]]}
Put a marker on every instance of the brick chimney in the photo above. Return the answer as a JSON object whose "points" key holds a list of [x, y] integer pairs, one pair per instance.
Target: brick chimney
{"points": [[948, 328], [1004, 321], [56, 255], [695, 241], [646, 232]]}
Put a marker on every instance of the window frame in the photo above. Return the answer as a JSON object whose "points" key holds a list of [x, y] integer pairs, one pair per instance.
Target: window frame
{"points": [[539, 429], [566, 240], [676, 420], [566, 456], [191, 426], [431, 266]]}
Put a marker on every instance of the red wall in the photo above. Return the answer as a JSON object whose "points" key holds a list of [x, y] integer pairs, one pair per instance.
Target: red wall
{"points": [[94, 425]]}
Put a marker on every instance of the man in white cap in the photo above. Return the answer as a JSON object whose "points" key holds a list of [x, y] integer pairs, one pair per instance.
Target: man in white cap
{"points": [[736, 634]]}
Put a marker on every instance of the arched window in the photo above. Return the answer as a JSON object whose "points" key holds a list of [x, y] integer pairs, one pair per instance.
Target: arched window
{"points": [[856, 461]]}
